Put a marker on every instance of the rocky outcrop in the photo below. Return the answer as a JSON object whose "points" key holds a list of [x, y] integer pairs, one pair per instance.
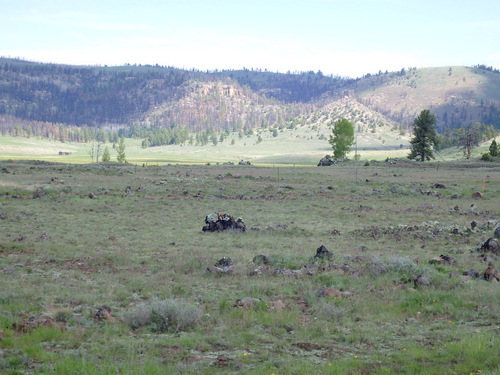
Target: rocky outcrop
{"points": [[216, 222]]}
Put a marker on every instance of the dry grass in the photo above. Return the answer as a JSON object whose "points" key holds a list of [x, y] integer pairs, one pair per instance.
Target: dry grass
{"points": [[65, 254]]}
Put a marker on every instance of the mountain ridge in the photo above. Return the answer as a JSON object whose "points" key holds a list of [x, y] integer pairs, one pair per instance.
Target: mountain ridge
{"points": [[232, 100]]}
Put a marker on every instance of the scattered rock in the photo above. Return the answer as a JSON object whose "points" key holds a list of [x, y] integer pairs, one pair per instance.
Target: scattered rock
{"points": [[328, 292], [312, 268], [259, 270], [223, 266], [443, 259], [247, 302], [307, 346], [141, 188], [497, 233], [216, 222], [420, 281], [35, 322], [222, 361], [242, 162], [490, 245], [92, 196], [5, 170], [483, 257], [335, 232], [439, 186], [39, 193], [279, 305], [43, 237], [477, 194], [323, 253], [103, 314], [471, 273], [491, 273], [287, 272], [261, 259], [473, 224]]}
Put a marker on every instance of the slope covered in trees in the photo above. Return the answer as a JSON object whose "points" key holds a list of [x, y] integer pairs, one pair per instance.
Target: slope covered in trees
{"points": [[165, 105]]}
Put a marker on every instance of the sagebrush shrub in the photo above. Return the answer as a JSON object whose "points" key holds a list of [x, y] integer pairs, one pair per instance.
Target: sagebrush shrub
{"points": [[164, 316]]}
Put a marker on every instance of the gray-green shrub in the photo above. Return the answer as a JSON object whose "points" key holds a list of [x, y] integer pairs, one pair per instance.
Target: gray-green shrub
{"points": [[168, 315]]}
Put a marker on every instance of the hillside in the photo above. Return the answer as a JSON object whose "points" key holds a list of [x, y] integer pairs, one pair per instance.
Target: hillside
{"points": [[33, 95], [456, 95], [154, 95]]}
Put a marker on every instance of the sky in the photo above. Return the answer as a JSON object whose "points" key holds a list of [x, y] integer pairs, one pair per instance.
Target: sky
{"points": [[348, 38]]}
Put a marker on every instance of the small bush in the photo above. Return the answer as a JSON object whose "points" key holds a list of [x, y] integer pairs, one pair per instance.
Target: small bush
{"points": [[402, 266], [330, 312], [367, 163], [164, 316], [486, 156], [63, 315]]}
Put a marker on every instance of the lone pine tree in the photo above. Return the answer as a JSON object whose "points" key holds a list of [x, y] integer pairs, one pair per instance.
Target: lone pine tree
{"points": [[425, 137]]}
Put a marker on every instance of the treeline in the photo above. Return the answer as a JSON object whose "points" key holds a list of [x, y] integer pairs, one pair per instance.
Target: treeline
{"points": [[96, 96], [151, 137], [10, 126], [302, 87], [455, 137], [84, 95], [487, 68]]}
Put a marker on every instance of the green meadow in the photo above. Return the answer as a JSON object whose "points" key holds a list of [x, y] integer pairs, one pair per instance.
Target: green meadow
{"points": [[76, 237]]}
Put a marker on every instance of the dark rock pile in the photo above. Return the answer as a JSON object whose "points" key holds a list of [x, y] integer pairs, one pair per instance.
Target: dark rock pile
{"points": [[216, 222], [328, 160], [323, 253], [489, 246]]}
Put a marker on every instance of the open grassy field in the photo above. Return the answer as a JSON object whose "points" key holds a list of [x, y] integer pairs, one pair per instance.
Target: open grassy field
{"points": [[76, 237], [304, 145]]}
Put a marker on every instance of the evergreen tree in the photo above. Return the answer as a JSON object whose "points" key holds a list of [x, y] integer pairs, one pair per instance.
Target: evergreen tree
{"points": [[425, 137], [342, 138], [106, 156], [121, 151], [468, 138], [494, 149]]}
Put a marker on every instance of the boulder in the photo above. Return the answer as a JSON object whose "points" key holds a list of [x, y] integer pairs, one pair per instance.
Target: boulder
{"points": [[420, 281], [323, 253], [443, 259], [103, 314], [223, 266], [261, 259], [39, 193], [279, 305], [471, 273], [497, 233], [247, 302], [491, 273], [477, 194], [328, 161], [35, 322], [490, 245], [287, 272], [216, 222]]}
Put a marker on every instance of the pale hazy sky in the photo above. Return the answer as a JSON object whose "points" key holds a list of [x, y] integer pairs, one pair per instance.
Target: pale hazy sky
{"points": [[340, 37]]}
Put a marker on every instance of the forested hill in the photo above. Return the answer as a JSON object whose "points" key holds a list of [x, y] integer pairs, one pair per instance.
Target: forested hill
{"points": [[147, 97], [96, 96]]}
